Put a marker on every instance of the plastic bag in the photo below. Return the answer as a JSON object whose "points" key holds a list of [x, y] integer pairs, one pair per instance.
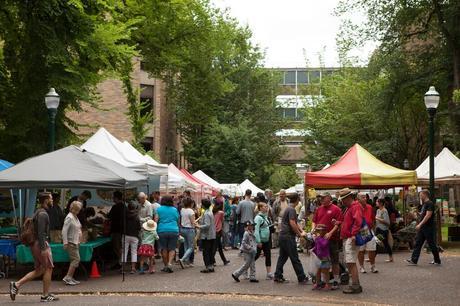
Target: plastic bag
{"points": [[313, 264]]}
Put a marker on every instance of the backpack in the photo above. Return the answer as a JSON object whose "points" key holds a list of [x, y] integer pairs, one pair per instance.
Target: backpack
{"points": [[364, 235], [28, 235]]}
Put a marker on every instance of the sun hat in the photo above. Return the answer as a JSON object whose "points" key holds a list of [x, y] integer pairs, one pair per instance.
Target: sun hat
{"points": [[149, 225], [324, 194], [345, 192]]}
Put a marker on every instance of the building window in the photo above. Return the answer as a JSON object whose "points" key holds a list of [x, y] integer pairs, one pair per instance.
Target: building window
{"points": [[142, 66], [146, 97], [302, 77], [315, 76], [289, 77], [290, 113]]}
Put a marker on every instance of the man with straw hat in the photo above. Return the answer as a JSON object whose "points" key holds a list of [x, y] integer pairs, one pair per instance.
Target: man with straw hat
{"points": [[351, 225]]}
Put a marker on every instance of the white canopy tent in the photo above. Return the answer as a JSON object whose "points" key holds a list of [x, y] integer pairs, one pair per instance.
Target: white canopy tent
{"points": [[233, 190], [247, 184], [105, 144], [446, 168], [210, 181]]}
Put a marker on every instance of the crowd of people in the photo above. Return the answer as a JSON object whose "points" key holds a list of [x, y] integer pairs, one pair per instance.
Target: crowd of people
{"points": [[174, 228]]}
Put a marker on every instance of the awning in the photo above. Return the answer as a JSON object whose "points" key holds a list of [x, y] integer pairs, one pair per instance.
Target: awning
{"points": [[360, 169], [446, 168], [70, 167]]}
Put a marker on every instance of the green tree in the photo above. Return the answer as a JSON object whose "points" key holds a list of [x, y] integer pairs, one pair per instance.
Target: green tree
{"points": [[69, 45], [216, 87], [283, 177]]}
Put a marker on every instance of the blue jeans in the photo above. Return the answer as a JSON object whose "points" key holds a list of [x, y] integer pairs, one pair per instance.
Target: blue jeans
{"points": [[189, 239]]}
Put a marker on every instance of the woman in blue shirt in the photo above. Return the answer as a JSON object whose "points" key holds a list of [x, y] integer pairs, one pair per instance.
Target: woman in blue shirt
{"points": [[167, 218]]}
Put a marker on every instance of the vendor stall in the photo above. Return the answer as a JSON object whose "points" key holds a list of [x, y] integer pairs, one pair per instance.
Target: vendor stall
{"points": [[359, 169], [247, 184]]}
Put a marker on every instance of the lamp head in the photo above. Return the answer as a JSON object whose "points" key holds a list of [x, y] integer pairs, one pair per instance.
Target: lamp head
{"points": [[431, 98], [52, 99]]}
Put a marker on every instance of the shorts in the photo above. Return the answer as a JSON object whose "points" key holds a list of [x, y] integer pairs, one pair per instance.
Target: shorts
{"points": [[168, 241], [74, 254], [369, 246], [42, 261], [350, 250], [334, 251]]}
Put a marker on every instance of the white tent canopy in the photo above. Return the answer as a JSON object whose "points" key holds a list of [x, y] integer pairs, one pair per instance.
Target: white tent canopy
{"points": [[446, 168], [180, 180], [105, 144], [247, 184], [210, 181], [233, 190]]}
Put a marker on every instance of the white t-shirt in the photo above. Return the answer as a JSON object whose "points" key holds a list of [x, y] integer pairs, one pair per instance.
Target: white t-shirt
{"points": [[185, 215]]}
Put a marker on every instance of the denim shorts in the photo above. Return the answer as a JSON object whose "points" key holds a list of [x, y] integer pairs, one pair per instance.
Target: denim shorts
{"points": [[168, 241]]}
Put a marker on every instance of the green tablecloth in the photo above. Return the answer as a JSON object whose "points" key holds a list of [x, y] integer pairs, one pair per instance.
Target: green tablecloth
{"points": [[24, 255], [8, 230]]}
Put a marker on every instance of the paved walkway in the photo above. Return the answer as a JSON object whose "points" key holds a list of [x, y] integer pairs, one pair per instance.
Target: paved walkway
{"points": [[396, 283]]}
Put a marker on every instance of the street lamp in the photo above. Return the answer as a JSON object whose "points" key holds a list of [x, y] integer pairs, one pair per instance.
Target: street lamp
{"points": [[431, 103], [52, 104]]}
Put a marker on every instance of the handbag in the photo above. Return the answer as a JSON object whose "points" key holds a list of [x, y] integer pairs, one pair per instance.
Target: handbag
{"points": [[364, 235]]}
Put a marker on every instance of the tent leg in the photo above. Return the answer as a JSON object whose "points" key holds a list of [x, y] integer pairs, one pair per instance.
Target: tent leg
{"points": [[14, 210], [123, 238]]}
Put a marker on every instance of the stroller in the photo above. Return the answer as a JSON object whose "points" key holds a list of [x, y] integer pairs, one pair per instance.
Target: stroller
{"points": [[344, 275], [405, 235]]}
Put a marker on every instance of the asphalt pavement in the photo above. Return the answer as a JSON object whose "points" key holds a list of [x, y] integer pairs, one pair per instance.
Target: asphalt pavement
{"points": [[395, 284]]}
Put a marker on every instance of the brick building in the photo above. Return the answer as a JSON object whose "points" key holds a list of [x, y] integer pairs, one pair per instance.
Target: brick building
{"points": [[111, 113]]}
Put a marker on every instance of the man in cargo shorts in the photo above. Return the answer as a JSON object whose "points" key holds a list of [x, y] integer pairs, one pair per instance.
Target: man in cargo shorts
{"points": [[351, 225], [41, 252]]}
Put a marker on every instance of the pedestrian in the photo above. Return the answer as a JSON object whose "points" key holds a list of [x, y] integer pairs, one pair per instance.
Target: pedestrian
{"points": [[82, 198], [187, 230], [226, 224], [56, 216], [155, 200], [234, 240], [331, 217], [382, 220], [40, 249], [279, 206], [167, 219], [245, 211], [371, 246], [145, 208], [116, 216], [71, 237], [207, 235], [289, 228], [218, 212], [426, 230], [351, 225], [146, 250], [131, 235], [263, 236], [249, 249], [321, 250]]}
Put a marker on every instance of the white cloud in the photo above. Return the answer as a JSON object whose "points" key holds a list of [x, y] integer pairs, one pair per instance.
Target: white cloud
{"points": [[285, 28]]}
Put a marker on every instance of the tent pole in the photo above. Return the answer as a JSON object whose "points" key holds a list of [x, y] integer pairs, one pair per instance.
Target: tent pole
{"points": [[123, 237], [14, 211]]}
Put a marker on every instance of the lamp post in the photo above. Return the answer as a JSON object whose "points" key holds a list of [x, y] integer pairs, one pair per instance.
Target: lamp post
{"points": [[52, 104], [431, 103]]}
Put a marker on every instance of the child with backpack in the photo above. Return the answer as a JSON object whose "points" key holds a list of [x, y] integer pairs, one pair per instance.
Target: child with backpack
{"points": [[249, 249]]}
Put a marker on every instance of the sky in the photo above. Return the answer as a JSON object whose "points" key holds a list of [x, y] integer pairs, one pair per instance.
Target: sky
{"points": [[292, 31]]}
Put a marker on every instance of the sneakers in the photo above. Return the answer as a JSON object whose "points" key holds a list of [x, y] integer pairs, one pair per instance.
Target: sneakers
{"points": [[374, 269], [226, 262], [235, 278], [13, 290], [304, 281], [253, 280], [435, 263], [48, 298], [362, 270], [70, 281], [269, 276], [335, 285], [281, 280], [410, 262], [353, 289]]}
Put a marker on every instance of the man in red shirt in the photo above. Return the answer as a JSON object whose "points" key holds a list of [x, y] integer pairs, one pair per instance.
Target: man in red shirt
{"points": [[351, 225], [331, 216], [371, 246]]}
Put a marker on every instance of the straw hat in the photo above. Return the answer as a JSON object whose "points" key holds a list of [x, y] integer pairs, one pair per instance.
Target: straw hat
{"points": [[345, 192], [150, 225]]}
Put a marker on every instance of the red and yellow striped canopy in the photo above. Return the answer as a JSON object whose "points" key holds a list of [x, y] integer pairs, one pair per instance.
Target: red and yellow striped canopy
{"points": [[360, 169]]}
